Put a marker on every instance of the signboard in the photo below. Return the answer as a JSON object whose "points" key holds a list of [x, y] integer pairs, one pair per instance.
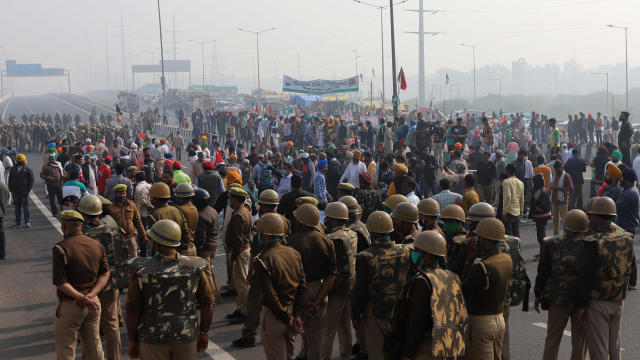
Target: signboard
{"points": [[169, 66], [15, 69], [285, 111], [320, 87]]}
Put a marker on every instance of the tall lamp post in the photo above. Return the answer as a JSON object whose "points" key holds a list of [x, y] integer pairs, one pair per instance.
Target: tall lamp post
{"points": [[381, 8], [257, 34], [356, 58], [202, 44], [164, 90], [606, 74], [395, 100], [473, 47], [626, 63]]}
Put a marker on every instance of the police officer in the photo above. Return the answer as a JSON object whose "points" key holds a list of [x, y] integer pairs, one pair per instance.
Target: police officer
{"points": [[607, 263], [279, 267], [431, 306], [118, 253], [205, 238], [556, 285], [237, 242], [391, 203], [160, 195], [485, 286], [355, 224], [429, 210], [319, 261], [405, 222], [268, 201], [338, 315], [164, 289], [345, 189], [455, 233], [183, 194], [381, 272], [80, 272]]}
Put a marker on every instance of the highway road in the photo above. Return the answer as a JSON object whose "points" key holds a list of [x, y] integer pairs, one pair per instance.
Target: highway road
{"points": [[50, 104], [27, 297]]}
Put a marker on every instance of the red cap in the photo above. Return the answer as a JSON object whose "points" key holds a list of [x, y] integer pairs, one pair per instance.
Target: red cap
{"points": [[108, 158], [168, 163], [177, 165], [208, 165]]}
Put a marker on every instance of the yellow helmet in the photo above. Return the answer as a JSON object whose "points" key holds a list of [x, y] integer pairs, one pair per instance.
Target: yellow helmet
{"points": [[90, 205]]}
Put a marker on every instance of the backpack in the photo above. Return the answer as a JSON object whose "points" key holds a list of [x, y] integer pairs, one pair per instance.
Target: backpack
{"points": [[265, 181]]}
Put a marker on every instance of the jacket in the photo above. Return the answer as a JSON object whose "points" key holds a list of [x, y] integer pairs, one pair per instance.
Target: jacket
{"points": [[52, 174], [20, 180]]}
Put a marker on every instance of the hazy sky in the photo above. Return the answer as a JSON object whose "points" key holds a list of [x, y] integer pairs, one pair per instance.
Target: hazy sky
{"points": [[71, 34]]}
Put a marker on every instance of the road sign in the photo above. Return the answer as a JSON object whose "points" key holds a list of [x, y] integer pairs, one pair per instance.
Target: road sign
{"points": [[15, 69]]}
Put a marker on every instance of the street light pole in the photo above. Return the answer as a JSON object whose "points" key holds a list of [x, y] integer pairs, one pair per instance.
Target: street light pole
{"points": [[626, 62], [257, 33], [298, 55], [395, 99], [357, 75], [473, 47], [164, 90], [606, 74]]}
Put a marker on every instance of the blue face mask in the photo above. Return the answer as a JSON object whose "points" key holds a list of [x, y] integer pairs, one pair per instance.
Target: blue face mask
{"points": [[416, 258], [284, 172]]}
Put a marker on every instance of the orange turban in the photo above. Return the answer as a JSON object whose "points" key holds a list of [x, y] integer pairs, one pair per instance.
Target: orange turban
{"points": [[613, 171], [233, 178], [400, 169], [357, 154]]}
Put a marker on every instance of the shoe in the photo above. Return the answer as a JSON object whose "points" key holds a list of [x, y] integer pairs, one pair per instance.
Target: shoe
{"points": [[14, 226], [355, 349], [27, 225], [240, 319], [228, 293], [244, 343], [633, 287], [233, 315]]}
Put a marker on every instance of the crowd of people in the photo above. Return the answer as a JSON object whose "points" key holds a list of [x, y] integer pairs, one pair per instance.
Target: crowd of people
{"points": [[407, 231]]}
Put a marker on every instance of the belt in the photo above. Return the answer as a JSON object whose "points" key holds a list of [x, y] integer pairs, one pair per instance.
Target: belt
{"points": [[486, 317]]}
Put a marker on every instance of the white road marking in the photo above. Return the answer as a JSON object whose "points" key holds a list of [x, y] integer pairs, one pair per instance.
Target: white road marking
{"points": [[213, 350], [52, 219], [544, 326], [7, 107], [26, 100], [68, 103], [216, 352]]}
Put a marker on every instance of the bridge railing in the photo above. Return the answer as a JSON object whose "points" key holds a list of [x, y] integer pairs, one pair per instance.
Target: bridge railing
{"points": [[161, 130]]}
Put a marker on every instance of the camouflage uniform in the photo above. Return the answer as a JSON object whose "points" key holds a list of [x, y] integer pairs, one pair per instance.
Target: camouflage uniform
{"points": [[519, 287], [432, 311], [163, 293], [117, 251], [556, 285], [607, 265], [364, 240], [338, 315], [456, 252], [381, 272]]}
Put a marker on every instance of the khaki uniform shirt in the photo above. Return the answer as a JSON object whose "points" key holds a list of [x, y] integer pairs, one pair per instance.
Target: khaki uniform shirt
{"points": [[127, 217], [78, 260]]}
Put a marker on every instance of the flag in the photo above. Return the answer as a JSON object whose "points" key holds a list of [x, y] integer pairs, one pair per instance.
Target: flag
{"points": [[270, 111], [118, 113], [402, 79], [447, 79]]}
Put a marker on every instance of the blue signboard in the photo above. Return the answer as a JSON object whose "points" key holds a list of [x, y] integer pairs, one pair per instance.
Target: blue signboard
{"points": [[15, 69]]}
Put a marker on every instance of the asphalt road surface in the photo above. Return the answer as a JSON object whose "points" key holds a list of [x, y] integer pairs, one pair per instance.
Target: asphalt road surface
{"points": [[27, 296]]}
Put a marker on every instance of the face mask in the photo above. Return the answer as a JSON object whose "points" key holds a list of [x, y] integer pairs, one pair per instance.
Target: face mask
{"points": [[19, 163], [66, 207], [416, 258], [284, 172], [260, 241], [119, 198], [382, 238], [451, 227]]}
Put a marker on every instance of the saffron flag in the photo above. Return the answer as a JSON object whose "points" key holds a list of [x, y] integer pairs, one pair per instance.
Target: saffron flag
{"points": [[402, 79], [118, 113]]}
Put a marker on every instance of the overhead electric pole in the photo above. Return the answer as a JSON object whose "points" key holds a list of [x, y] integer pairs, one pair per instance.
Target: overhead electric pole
{"points": [[162, 80], [394, 99]]}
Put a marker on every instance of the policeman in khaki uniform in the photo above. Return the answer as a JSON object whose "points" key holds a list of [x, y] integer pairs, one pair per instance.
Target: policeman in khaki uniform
{"points": [[429, 210], [405, 222], [381, 272], [268, 202], [280, 279], [485, 285], [118, 254], [556, 285], [607, 263], [319, 261], [184, 193], [164, 290], [355, 224], [431, 307], [80, 272], [126, 215], [455, 233], [160, 195], [338, 315]]}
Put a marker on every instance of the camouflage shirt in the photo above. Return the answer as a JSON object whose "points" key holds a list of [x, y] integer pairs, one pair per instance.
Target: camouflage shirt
{"points": [[520, 284], [364, 240], [117, 249], [381, 272], [345, 242]]}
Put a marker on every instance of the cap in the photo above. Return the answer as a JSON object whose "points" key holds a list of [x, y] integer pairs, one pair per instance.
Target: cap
{"points": [[120, 187], [307, 200], [237, 191], [132, 168], [71, 215], [346, 186]]}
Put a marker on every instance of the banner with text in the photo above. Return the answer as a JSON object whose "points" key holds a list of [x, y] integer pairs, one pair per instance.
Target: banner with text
{"points": [[320, 87]]}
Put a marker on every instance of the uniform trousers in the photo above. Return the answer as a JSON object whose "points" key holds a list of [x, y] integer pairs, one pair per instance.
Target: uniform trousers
{"points": [[603, 320], [487, 334], [71, 321], [109, 322], [133, 248], [424, 352], [240, 284], [311, 339], [254, 307], [337, 320], [278, 340], [506, 351], [557, 320], [374, 337], [181, 351]]}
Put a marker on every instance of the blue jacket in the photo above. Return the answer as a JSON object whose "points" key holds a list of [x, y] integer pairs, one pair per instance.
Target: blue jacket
{"points": [[628, 206], [575, 167]]}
